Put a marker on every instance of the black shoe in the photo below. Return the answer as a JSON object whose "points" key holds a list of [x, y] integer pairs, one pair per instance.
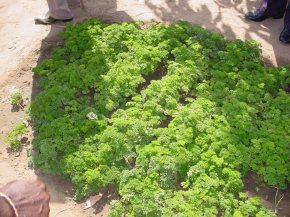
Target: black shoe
{"points": [[258, 16], [284, 37], [46, 20]]}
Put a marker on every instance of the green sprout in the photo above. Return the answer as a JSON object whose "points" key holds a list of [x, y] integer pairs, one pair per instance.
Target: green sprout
{"points": [[13, 138], [16, 99]]}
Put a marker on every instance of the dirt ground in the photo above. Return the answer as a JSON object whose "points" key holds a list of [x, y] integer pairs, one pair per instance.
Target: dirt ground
{"points": [[23, 44]]}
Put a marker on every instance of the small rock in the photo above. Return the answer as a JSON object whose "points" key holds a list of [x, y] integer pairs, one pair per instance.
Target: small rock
{"points": [[257, 189], [17, 154]]}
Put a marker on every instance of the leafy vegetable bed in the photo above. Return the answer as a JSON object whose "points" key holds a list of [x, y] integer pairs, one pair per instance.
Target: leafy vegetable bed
{"points": [[173, 115]]}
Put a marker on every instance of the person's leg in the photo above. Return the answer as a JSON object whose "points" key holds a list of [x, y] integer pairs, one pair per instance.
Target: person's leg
{"points": [[276, 8], [59, 9], [268, 8], [287, 17], [285, 34]]}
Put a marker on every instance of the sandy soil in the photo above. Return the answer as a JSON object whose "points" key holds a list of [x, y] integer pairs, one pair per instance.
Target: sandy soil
{"points": [[23, 45]]}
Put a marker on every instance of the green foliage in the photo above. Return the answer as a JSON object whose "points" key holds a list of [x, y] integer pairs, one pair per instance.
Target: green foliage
{"points": [[13, 138], [173, 115], [16, 98]]}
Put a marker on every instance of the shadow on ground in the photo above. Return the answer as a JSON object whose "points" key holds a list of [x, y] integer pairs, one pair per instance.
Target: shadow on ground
{"points": [[227, 18]]}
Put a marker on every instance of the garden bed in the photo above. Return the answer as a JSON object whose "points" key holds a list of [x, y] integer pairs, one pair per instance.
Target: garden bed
{"points": [[173, 116]]}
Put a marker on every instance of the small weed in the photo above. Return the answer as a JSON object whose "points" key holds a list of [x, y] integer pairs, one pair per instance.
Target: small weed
{"points": [[16, 99], [14, 137]]}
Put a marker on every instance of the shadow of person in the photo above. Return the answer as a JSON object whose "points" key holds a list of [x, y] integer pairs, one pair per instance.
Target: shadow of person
{"points": [[106, 11], [200, 13], [227, 18]]}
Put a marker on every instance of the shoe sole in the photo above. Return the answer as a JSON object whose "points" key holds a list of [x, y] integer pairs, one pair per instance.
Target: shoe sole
{"points": [[67, 20], [264, 18], [52, 22]]}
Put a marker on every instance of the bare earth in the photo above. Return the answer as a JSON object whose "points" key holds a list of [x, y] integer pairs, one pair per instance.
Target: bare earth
{"points": [[23, 44]]}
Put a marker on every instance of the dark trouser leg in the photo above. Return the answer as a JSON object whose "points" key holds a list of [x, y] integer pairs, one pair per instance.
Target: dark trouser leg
{"points": [[275, 8], [285, 34], [287, 18], [59, 9]]}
